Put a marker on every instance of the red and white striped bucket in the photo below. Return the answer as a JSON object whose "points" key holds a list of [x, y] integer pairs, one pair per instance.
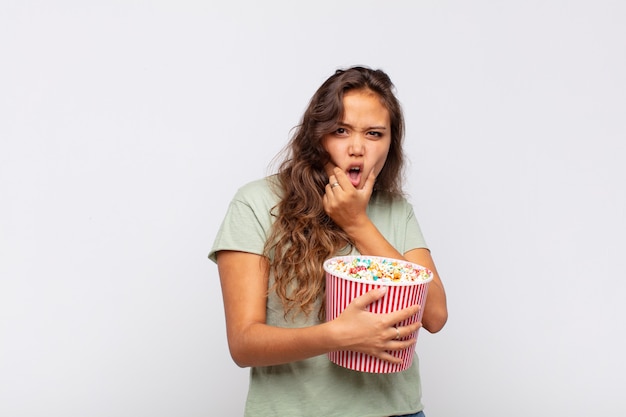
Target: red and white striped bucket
{"points": [[341, 290]]}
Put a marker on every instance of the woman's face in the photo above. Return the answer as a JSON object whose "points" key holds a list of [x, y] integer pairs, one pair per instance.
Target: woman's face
{"points": [[361, 143]]}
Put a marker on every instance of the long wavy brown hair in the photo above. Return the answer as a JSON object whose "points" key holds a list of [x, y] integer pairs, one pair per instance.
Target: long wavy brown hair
{"points": [[303, 235]]}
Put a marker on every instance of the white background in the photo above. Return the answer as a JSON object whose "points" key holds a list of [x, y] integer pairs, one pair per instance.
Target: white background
{"points": [[127, 126]]}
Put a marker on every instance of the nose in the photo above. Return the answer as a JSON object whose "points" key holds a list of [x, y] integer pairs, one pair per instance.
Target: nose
{"points": [[357, 145]]}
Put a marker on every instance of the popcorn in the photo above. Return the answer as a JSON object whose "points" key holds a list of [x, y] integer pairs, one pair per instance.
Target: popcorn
{"points": [[377, 269]]}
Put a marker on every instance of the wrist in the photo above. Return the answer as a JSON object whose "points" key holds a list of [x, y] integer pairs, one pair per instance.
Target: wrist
{"points": [[333, 336], [360, 229], [357, 226]]}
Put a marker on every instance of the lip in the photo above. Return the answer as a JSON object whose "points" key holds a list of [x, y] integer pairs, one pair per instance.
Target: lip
{"points": [[355, 179]]}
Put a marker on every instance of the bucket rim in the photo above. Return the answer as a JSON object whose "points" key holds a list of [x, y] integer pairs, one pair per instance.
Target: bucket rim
{"points": [[350, 258]]}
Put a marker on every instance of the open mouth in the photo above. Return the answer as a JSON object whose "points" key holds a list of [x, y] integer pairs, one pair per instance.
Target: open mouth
{"points": [[354, 174]]}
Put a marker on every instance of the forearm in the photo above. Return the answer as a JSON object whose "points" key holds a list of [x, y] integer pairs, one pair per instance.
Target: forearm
{"points": [[435, 311], [263, 345], [370, 242], [355, 329]]}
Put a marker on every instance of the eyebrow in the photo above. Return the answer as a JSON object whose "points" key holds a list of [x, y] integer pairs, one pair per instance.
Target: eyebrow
{"points": [[342, 124]]}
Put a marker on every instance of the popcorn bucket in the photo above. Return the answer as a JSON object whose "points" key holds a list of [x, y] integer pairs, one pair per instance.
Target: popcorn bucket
{"points": [[347, 278]]}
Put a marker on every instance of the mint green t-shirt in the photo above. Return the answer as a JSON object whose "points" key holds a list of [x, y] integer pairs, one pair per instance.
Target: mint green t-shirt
{"points": [[316, 387]]}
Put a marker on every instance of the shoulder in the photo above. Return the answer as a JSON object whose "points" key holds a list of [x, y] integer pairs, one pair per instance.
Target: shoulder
{"points": [[382, 200], [263, 191]]}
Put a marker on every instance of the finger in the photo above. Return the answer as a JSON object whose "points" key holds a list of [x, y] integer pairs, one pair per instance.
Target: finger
{"points": [[370, 297], [396, 335], [386, 356], [369, 182], [401, 315], [333, 183], [342, 179], [400, 319], [402, 333], [326, 199]]}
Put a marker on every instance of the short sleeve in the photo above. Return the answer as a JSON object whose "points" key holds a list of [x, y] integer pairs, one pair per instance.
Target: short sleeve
{"points": [[247, 222], [395, 219], [414, 239]]}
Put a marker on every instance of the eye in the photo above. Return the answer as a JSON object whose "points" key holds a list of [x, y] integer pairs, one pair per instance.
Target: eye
{"points": [[341, 131], [375, 134]]}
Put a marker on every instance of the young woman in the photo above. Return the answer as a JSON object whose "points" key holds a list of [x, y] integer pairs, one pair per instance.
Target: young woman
{"points": [[337, 192]]}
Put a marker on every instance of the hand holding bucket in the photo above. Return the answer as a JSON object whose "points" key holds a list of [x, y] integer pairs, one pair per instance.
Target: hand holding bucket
{"points": [[348, 277]]}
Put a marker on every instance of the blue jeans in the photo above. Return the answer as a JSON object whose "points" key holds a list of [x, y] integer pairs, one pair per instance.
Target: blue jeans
{"points": [[420, 414]]}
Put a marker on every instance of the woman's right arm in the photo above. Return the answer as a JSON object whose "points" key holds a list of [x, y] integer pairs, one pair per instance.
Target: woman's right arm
{"points": [[244, 280]]}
